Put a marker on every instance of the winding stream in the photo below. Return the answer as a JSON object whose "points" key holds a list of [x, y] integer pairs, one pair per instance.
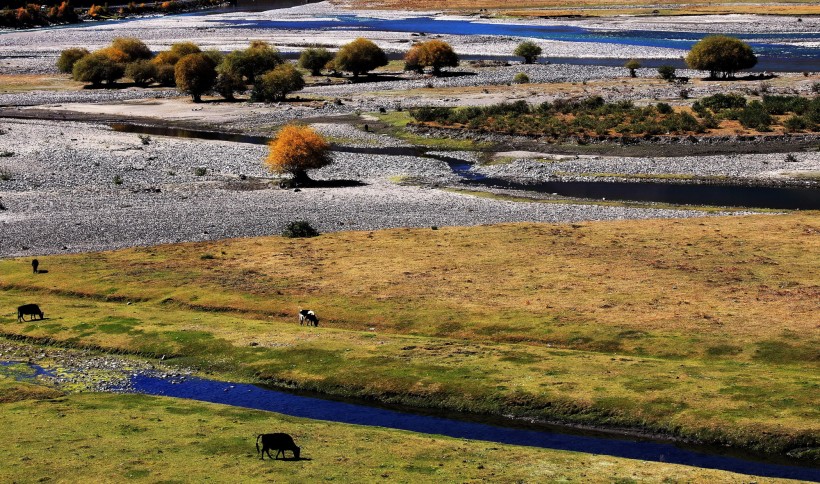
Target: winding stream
{"points": [[254, 397]]}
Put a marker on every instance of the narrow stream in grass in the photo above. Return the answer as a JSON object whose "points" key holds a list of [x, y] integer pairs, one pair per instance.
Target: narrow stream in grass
{"points": [[781, 198], [515, 433]]}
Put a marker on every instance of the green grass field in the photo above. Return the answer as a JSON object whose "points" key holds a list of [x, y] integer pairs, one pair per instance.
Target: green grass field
{"points": [[133, 438], [700, 328]]}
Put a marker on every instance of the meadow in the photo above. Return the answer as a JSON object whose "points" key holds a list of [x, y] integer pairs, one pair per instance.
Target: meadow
{"points": [[136, 438], [702, 329]]}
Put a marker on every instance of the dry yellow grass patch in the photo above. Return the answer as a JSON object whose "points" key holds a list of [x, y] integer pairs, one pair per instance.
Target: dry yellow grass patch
{"points": [[33, 82]]}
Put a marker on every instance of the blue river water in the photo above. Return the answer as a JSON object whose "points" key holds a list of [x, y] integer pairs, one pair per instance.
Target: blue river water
{"points": [[774, 51], [250, 396], [259, 398]]}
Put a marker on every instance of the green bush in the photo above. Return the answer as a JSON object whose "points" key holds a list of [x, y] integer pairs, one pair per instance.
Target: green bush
{"points": [[96, 69], [314, 59], [720, 101], [754, 116], [194, 74], [632, 65], [785, 104], [664, 108], [360, 57], [228, 83], [796, 123], [521, 78], [299, 228], [259, 58], [721, 54], [528, 50], [667, 73], [277, 83], [142, 72], [69, 57]]}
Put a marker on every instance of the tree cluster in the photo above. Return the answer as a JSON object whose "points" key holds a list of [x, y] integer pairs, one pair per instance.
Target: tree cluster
{"points": [[32, 15]]}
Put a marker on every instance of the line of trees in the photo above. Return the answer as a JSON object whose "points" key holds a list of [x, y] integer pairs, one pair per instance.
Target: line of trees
{"points": [[198, 72]]}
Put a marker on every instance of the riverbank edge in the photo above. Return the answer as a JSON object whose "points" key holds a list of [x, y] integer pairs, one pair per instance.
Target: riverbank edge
{"points": [[785, 144], [782, 449]]}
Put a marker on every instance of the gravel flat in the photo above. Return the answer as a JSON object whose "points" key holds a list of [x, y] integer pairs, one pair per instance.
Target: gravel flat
{"points": [[62, 197]]}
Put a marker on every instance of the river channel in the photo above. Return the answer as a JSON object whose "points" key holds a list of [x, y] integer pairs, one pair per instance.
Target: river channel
{"points": [[515, 433], [781, 198]]}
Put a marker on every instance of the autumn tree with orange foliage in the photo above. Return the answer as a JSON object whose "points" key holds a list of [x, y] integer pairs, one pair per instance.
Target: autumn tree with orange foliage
{"points": [[433, 53], [297, 149]]}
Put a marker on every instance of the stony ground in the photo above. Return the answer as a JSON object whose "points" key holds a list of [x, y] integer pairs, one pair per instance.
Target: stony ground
{"points": [[77, 186]]}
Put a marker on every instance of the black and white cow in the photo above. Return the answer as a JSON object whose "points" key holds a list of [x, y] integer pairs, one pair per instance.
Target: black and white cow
{"points": [[307, 316]]}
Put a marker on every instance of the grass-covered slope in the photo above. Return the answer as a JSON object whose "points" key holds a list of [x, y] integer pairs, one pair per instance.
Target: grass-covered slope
{"points": [[702, 328]]}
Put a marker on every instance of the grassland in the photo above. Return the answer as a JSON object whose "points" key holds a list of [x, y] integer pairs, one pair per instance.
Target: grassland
{"points": [[134, 438], [703, 328]]}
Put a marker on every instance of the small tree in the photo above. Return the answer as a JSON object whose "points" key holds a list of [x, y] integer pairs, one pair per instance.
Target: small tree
{"points": [[181, 49], [97, 68], [433, 53], [314, 59], [721, 54], [667, 73], [227, 83], [142, 72], [528, 50], [195, 75], [277, 83], [68, 57], [134, 48], [297, 149], [360, 57], [412, 61], [254, 61], [632, 65]]}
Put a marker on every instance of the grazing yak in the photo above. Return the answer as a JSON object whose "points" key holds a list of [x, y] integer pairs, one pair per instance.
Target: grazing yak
{"points": [[279, 441], [306, 316], [28, 310]]}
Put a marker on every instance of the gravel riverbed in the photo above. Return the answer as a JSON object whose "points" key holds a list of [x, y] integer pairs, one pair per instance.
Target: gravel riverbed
{"points": [[93, 189]]}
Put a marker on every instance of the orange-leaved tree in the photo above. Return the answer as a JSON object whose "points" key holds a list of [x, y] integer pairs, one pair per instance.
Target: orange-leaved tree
{"points": [[296, 149]]}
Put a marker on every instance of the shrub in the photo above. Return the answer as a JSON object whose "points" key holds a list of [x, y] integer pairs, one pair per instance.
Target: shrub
{"points": [[428, 114], [632, 65], [664, 108], [296, 149], [785, 104], [133, 48], [254, 61], [166, 57], [166, 75], [142, 72], [227, 83], [796, 123], [721, 54], [277, 83], [667, 73], [360, 57], [97, 68], [200, 171], [412, 61], [181, 49], [114, 54], [68, 57], [754, 116], [521, 78], [433, 53], [298, 229], [194, 74], [718, 102], [314, 59], [528, 50]]}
